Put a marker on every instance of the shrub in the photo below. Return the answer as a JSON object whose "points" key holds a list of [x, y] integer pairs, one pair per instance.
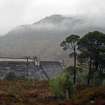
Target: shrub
{"points": [[62, 85], [10, 76]]}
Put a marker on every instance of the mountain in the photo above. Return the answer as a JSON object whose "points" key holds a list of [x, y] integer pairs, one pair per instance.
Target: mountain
{"points": [[43, 38]]}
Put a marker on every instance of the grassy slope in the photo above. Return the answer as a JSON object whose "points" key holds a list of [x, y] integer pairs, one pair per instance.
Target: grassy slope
{"points": [[84, 96], [37, 93], [25, 93]]}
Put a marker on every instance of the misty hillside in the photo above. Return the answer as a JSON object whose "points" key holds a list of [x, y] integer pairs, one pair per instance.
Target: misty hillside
{"points": [[43, 37]]}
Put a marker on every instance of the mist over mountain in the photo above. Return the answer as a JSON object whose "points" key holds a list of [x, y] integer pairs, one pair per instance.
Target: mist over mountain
{"points": [[43, 38]]}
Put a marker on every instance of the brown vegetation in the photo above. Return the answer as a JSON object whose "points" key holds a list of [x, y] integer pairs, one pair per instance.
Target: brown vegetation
{"points": [[25, 93], [38, 93], [89, 96]]}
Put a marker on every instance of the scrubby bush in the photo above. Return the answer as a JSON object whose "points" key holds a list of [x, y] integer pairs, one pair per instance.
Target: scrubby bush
{"points": [[13, 76], [62, 85], [10, 76]]}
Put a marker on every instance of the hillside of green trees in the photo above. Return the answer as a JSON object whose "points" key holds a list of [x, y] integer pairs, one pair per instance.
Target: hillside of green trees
{"points": [[88, 53]]}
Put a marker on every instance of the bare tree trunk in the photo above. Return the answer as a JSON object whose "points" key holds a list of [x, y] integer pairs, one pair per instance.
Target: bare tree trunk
{"points": [[75, 56], [67, 94], [89, 73]]}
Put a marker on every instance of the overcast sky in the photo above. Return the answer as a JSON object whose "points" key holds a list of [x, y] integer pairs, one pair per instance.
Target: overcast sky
{"points": [[18, 12]]}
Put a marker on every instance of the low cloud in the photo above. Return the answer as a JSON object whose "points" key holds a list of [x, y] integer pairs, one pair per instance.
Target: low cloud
{"points": [[18, 12]]}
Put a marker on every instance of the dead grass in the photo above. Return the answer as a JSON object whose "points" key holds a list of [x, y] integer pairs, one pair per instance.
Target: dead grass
{"points": [[38, 93], [85, 95], [25, 93]]}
